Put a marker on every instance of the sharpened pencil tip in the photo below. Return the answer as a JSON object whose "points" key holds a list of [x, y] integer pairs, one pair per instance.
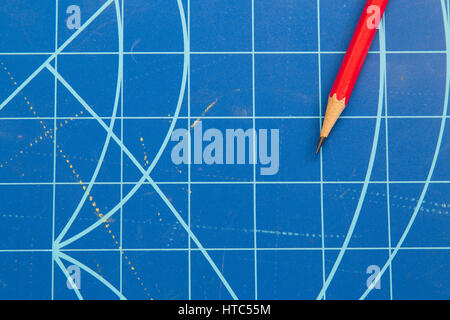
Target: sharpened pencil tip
{"points": [[321, 141]]}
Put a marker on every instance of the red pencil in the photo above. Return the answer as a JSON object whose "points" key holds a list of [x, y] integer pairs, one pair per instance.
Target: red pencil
{"points": [[352, 64]]}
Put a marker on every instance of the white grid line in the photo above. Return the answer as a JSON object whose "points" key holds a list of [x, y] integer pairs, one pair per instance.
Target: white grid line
{"points": [[254, 182], [189, 152], [322, 223], [225, 118], [356, 182], [55, 96], [121, 163], [221, 52], [388, 202], [251, 249], [255, 244]]}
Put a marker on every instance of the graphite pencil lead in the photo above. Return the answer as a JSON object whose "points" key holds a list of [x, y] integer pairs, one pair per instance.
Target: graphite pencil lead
{"points": [[321, 141]]}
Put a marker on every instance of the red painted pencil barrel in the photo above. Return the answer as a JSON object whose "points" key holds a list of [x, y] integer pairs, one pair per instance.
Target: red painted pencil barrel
{"points": [[358, 49]]}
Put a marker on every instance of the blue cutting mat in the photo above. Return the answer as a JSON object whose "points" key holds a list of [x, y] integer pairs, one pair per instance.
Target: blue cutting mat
{"points": [[89, 191]]}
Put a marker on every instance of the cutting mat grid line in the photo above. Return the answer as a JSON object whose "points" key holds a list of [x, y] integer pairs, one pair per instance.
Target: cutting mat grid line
{"points": [[280, 236]]}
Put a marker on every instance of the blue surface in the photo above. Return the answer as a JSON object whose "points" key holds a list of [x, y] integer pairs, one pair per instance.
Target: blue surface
{"points": [[377, 195]]}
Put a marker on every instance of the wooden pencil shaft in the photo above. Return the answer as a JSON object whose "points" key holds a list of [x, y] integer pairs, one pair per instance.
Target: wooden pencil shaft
{"points": [[358, 49], [353, 62]]}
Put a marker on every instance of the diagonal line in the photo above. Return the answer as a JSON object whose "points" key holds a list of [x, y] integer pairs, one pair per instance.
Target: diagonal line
{"points": [[53, 55], [69, 278], [91, 272], [145, 176]]}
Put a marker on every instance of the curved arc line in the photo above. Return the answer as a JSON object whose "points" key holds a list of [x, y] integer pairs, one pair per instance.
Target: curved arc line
{"points": [[145, 173], [64, 256], [182, 89], [69, 278], [125, 150], [53, 55], [433, 163], [369, 167], [108, 136]]}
